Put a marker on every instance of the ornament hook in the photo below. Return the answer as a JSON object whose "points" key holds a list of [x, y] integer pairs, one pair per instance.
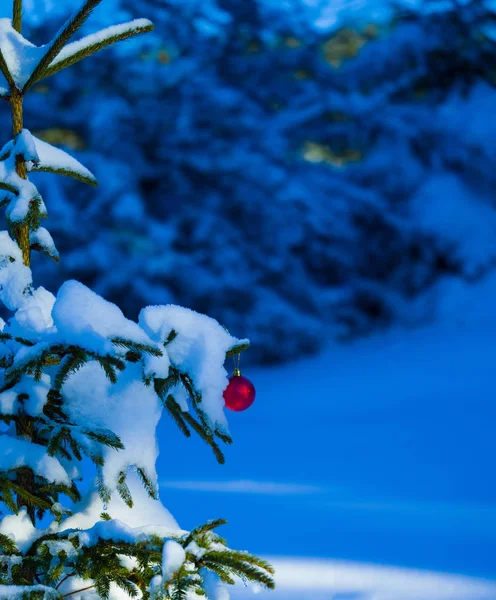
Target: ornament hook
{"points": [[236, 359]]}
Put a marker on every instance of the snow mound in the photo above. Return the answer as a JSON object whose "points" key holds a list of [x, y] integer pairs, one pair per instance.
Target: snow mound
{"points": [[85, 318]]}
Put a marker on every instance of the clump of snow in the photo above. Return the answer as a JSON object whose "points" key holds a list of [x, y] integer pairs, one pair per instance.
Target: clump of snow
{"points": [[42, 238], [86, 319], [20, 54], [199, 350], [15, 277], [174, 556], [128, 408], [214, 588], [25, 146], [195, 550], [54, 158], [36, 392], [25, 192], [16, 453], [18, 592], [147, 515], [20, 529], [34, 315], [157, 366], [108, 530]]}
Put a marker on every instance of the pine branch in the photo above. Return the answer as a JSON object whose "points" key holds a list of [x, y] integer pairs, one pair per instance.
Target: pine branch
{"points": [[252, 560], [53, 407], [7, 544], [67, 173], [148, 485], [190, 388], [17, 15], [29, 498], [176, 413], [171, 337], [237, 349], [70, 364], [105, 437], [87, 51], [6, 336], [202, 529], [205, 436], [221, 573], [103, 490], [228, 560], [45, 250], [123, 490], [108, 368], [59, 488], [63, 36], [56, 440], [162, 386], [75, 448], [89, 587], [7, 496], [136, 346], [227, 439], [35, 213], [9, 188]]}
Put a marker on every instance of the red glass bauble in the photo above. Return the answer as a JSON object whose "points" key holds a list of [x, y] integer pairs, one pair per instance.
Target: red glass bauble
{"points": [[239, 394]]}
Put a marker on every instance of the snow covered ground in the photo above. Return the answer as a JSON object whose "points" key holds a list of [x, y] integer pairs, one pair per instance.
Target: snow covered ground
{"points": [[340, 580], [376, 453]]}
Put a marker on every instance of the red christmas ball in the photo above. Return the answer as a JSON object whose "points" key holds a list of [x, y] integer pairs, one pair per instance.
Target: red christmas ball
{"points": [[239, 393]]}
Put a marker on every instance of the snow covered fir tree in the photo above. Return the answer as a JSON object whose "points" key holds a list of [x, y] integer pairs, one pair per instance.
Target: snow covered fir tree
{"points": [[83, 388]]}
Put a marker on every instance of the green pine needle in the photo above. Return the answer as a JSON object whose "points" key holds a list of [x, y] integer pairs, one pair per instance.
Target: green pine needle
{"points": [[176, 413], [136, 346], [69, 365], [9, 188], [7, 544], [6, 73], [237, 349], [67, 172], [123, 490], [147, 483], [202, 529], [206, 436]]}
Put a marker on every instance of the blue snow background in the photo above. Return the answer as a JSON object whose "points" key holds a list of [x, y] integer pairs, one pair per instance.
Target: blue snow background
{"points": [[319, 176], [389, 446]]}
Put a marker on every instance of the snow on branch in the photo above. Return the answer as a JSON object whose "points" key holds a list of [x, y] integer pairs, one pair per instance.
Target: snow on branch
{"points": [[18, 56], [40, 239], [20, 592], [23, 64], [90, 44], [16, 454], [55, 160], [69, 28]]}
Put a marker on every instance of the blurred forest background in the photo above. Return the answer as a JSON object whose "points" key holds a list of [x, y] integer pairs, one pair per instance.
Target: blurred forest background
{"points": [[301, 170]]}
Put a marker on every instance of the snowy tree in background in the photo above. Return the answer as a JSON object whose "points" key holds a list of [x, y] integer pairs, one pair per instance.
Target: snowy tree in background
{"points": [[323, 99], [82, 385]]}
